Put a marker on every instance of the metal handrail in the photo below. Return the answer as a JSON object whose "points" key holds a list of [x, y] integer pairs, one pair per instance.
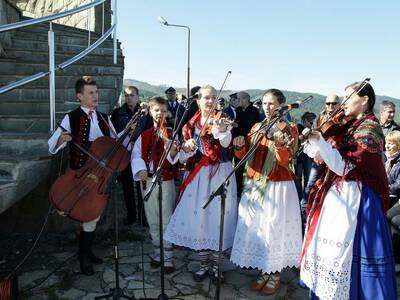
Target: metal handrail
{"points": [[22, 81], [52, 67], [87, 50], [61, 66], [60, 15]]}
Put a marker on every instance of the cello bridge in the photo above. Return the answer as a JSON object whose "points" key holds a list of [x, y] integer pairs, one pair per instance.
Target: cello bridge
{"points": [[93, 177]]}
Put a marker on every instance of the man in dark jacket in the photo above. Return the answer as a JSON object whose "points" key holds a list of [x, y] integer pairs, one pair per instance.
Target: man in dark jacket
{"points": [[120, 117], [175, 109], [246, 119], [387, 111]]}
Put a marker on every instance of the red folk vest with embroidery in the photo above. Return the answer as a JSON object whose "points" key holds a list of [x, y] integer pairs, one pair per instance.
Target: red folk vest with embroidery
{"points": [[152, 150]]}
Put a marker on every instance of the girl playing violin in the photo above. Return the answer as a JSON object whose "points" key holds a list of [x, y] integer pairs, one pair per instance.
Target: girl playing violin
{"points": [[268, 233], [347, 251], [146, 155], [207, 163]]}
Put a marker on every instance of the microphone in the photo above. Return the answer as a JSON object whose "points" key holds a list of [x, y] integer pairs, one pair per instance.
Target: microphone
{"points": [[190, 100], [297, 104]]}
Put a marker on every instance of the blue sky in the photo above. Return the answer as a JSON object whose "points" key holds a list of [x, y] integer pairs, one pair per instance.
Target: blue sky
{"points": [[302, 45]]}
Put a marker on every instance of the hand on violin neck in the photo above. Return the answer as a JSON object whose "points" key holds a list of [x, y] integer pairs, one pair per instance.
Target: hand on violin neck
{"points": [[311, 135], [142, 175], [221, 126], [280, 138], [174, 149], [189, 146], [238, 142]]}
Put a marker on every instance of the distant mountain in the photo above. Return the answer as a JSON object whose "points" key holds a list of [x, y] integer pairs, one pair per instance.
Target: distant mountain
{"points": [[316, 105]]}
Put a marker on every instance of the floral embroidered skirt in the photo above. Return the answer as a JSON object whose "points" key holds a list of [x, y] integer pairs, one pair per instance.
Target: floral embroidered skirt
{"points": [[268, 234], [197, 228], [350, 255]]}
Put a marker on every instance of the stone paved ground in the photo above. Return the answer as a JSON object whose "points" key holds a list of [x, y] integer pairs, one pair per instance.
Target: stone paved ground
{"points": [[67, 283]]}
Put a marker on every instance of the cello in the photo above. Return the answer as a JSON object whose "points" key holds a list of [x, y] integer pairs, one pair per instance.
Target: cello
{"points": [[82, 194]]}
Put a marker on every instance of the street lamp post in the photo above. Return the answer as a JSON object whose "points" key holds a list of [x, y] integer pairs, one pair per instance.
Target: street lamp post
{"points": [[164, 22]]}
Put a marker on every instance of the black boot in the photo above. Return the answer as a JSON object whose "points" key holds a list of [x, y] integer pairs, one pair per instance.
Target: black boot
{"points": [[95, 260], [84, 255]]}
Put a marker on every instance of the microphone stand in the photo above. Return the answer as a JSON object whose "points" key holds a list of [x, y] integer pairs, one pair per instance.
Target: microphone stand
{"points": [[116, 293], [221, 191], [156, 180]]}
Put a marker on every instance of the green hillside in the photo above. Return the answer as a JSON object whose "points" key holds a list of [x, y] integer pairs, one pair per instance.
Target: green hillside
{"points": [[316, 105]]}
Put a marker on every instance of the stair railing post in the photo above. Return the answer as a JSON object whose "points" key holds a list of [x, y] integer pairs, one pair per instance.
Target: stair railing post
{"points": [[114, 13], [88, 26], [52, 79], [102, 25]]}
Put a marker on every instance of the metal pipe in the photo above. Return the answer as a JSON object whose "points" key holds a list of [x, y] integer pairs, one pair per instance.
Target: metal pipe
{"points": [[60, 15], [115, 20], [21, 82], [165, 22], [86, 51], [52, 79], [102, 25], [88, 26]]}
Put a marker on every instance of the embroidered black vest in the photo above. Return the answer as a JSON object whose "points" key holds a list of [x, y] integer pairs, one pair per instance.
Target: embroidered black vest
{"points": [[80, 128]]}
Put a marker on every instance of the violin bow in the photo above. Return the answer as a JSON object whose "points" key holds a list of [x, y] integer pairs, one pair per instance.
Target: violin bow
{"points": [[212, 110]]}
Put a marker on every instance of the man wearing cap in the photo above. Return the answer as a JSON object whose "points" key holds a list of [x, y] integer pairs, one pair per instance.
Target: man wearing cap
{"points": [[220, 104], [174, 108]]}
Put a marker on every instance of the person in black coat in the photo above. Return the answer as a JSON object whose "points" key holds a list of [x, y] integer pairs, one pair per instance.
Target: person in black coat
{"points": [[392, 145], [120, 117], [248, 116], [175, 109]]}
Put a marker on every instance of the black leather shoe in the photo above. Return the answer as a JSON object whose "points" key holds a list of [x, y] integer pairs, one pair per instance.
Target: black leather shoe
{"points": [[95, 260], [86, 265]]}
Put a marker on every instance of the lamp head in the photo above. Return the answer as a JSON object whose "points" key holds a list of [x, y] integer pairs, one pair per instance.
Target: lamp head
{"points": [[162, 20]]}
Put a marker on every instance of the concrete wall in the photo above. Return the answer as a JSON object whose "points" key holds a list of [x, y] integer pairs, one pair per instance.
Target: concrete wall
{"points": [[39, 8]]}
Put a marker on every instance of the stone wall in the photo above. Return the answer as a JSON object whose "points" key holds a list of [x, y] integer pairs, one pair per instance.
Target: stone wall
{"points": [[93, 16], [8, 14]]}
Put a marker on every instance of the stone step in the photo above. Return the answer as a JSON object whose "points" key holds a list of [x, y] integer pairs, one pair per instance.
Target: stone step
{"points": [[26, 56], [43, 28], [61, 94], [63, 39], [7, 169], [41, 107], [26, 145], [8, 68], [62, 82], [60, 48], [26, 174], [26, 123]]}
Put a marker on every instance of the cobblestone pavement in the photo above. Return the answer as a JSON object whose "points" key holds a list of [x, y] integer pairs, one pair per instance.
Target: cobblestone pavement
{"points": [[52, 271]]}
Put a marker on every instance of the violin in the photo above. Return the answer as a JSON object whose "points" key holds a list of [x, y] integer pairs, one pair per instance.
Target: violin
{"points": [[338, 123], [82, 194], [216, 119]]}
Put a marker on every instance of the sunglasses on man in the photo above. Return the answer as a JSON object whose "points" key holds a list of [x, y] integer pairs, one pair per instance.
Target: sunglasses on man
{"points": [[331, 103]]}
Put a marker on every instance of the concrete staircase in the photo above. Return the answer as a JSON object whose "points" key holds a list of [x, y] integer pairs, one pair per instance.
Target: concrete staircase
{"points": [[24, 112]]}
